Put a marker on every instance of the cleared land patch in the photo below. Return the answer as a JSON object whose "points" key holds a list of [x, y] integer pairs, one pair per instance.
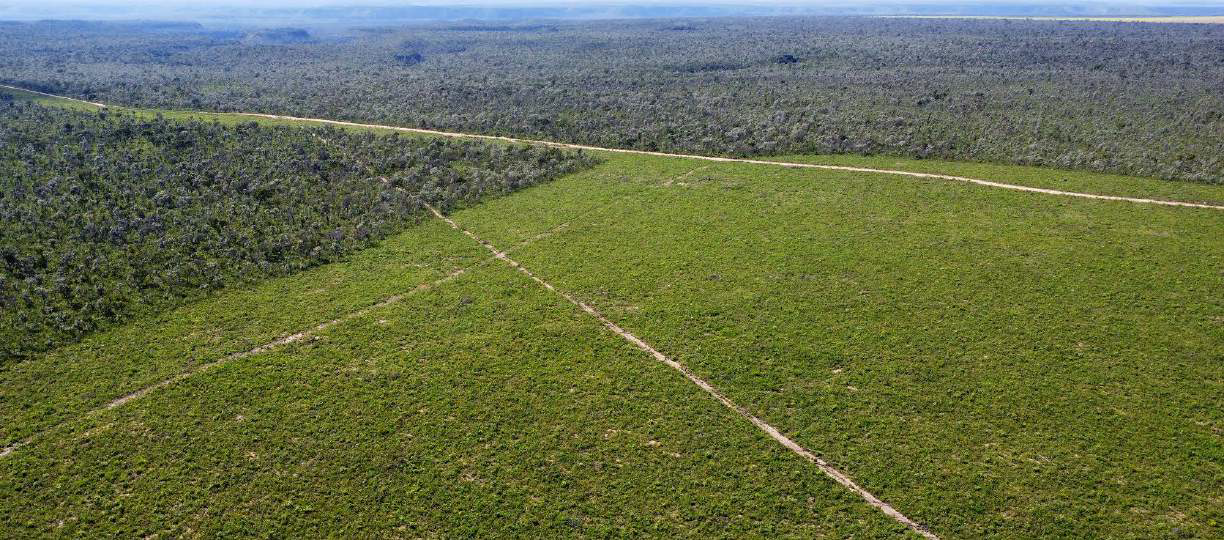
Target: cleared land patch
{"points": [[486, 407], [830, 471], [41, 393], [991, 362], [995, 363]]}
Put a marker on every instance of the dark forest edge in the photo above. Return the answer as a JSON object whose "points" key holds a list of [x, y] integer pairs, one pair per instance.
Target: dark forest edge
{"points": [[107, 215]]}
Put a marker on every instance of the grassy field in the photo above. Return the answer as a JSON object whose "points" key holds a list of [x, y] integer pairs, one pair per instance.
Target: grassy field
{"points": [[1064, 180], [482, 408], [991, 363], [994, 362]]}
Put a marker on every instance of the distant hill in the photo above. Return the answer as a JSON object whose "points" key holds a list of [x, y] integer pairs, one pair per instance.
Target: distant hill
{"points": [[280, 36]]}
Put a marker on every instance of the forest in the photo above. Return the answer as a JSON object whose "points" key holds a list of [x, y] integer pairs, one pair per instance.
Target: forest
{"points": [[1126, 98], [105, 216]]}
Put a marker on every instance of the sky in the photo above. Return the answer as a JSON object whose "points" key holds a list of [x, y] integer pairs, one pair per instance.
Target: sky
{"points": [[258, 11], [318, 3]]}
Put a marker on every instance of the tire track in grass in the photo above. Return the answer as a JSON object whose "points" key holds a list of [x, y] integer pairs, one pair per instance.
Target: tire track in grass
{"points": [[280, 342], [773, 432], [677, 180], [452, 134], [538, 237]]}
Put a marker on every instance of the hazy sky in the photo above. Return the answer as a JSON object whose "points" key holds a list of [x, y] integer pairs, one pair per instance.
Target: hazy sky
{"points": [[217, 11], [314, 3]]}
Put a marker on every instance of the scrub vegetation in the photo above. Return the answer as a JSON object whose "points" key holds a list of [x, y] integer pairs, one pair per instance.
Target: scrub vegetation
{"points": [[1138, 99], [106, 215]]}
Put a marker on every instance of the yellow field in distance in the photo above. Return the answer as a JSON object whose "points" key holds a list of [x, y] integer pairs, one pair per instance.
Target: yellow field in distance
{"points": [[1206, 19]]}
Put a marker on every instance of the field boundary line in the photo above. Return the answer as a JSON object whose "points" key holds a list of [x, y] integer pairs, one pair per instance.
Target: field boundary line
{"points": [[279, 342], [773, 432], [459, 135], [976, 181], [94, 103]]}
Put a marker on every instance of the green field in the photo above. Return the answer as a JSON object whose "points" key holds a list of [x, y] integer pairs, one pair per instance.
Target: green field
{"points": [[992, 363]]}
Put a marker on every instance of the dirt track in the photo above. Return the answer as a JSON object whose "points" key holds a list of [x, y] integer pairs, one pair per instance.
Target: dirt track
{"points": [[197, 370], [94, 103], [824, 466], [979, 182], [987, 183]]}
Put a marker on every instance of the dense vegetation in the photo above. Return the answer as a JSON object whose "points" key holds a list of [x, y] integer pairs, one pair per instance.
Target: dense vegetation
{"points": [[105, 215], [1130, 98]]}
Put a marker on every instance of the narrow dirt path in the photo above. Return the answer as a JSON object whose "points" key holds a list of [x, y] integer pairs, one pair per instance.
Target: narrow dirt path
{"points": [[987, 183], [773, 432], [452, 134], [291, 338]]}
